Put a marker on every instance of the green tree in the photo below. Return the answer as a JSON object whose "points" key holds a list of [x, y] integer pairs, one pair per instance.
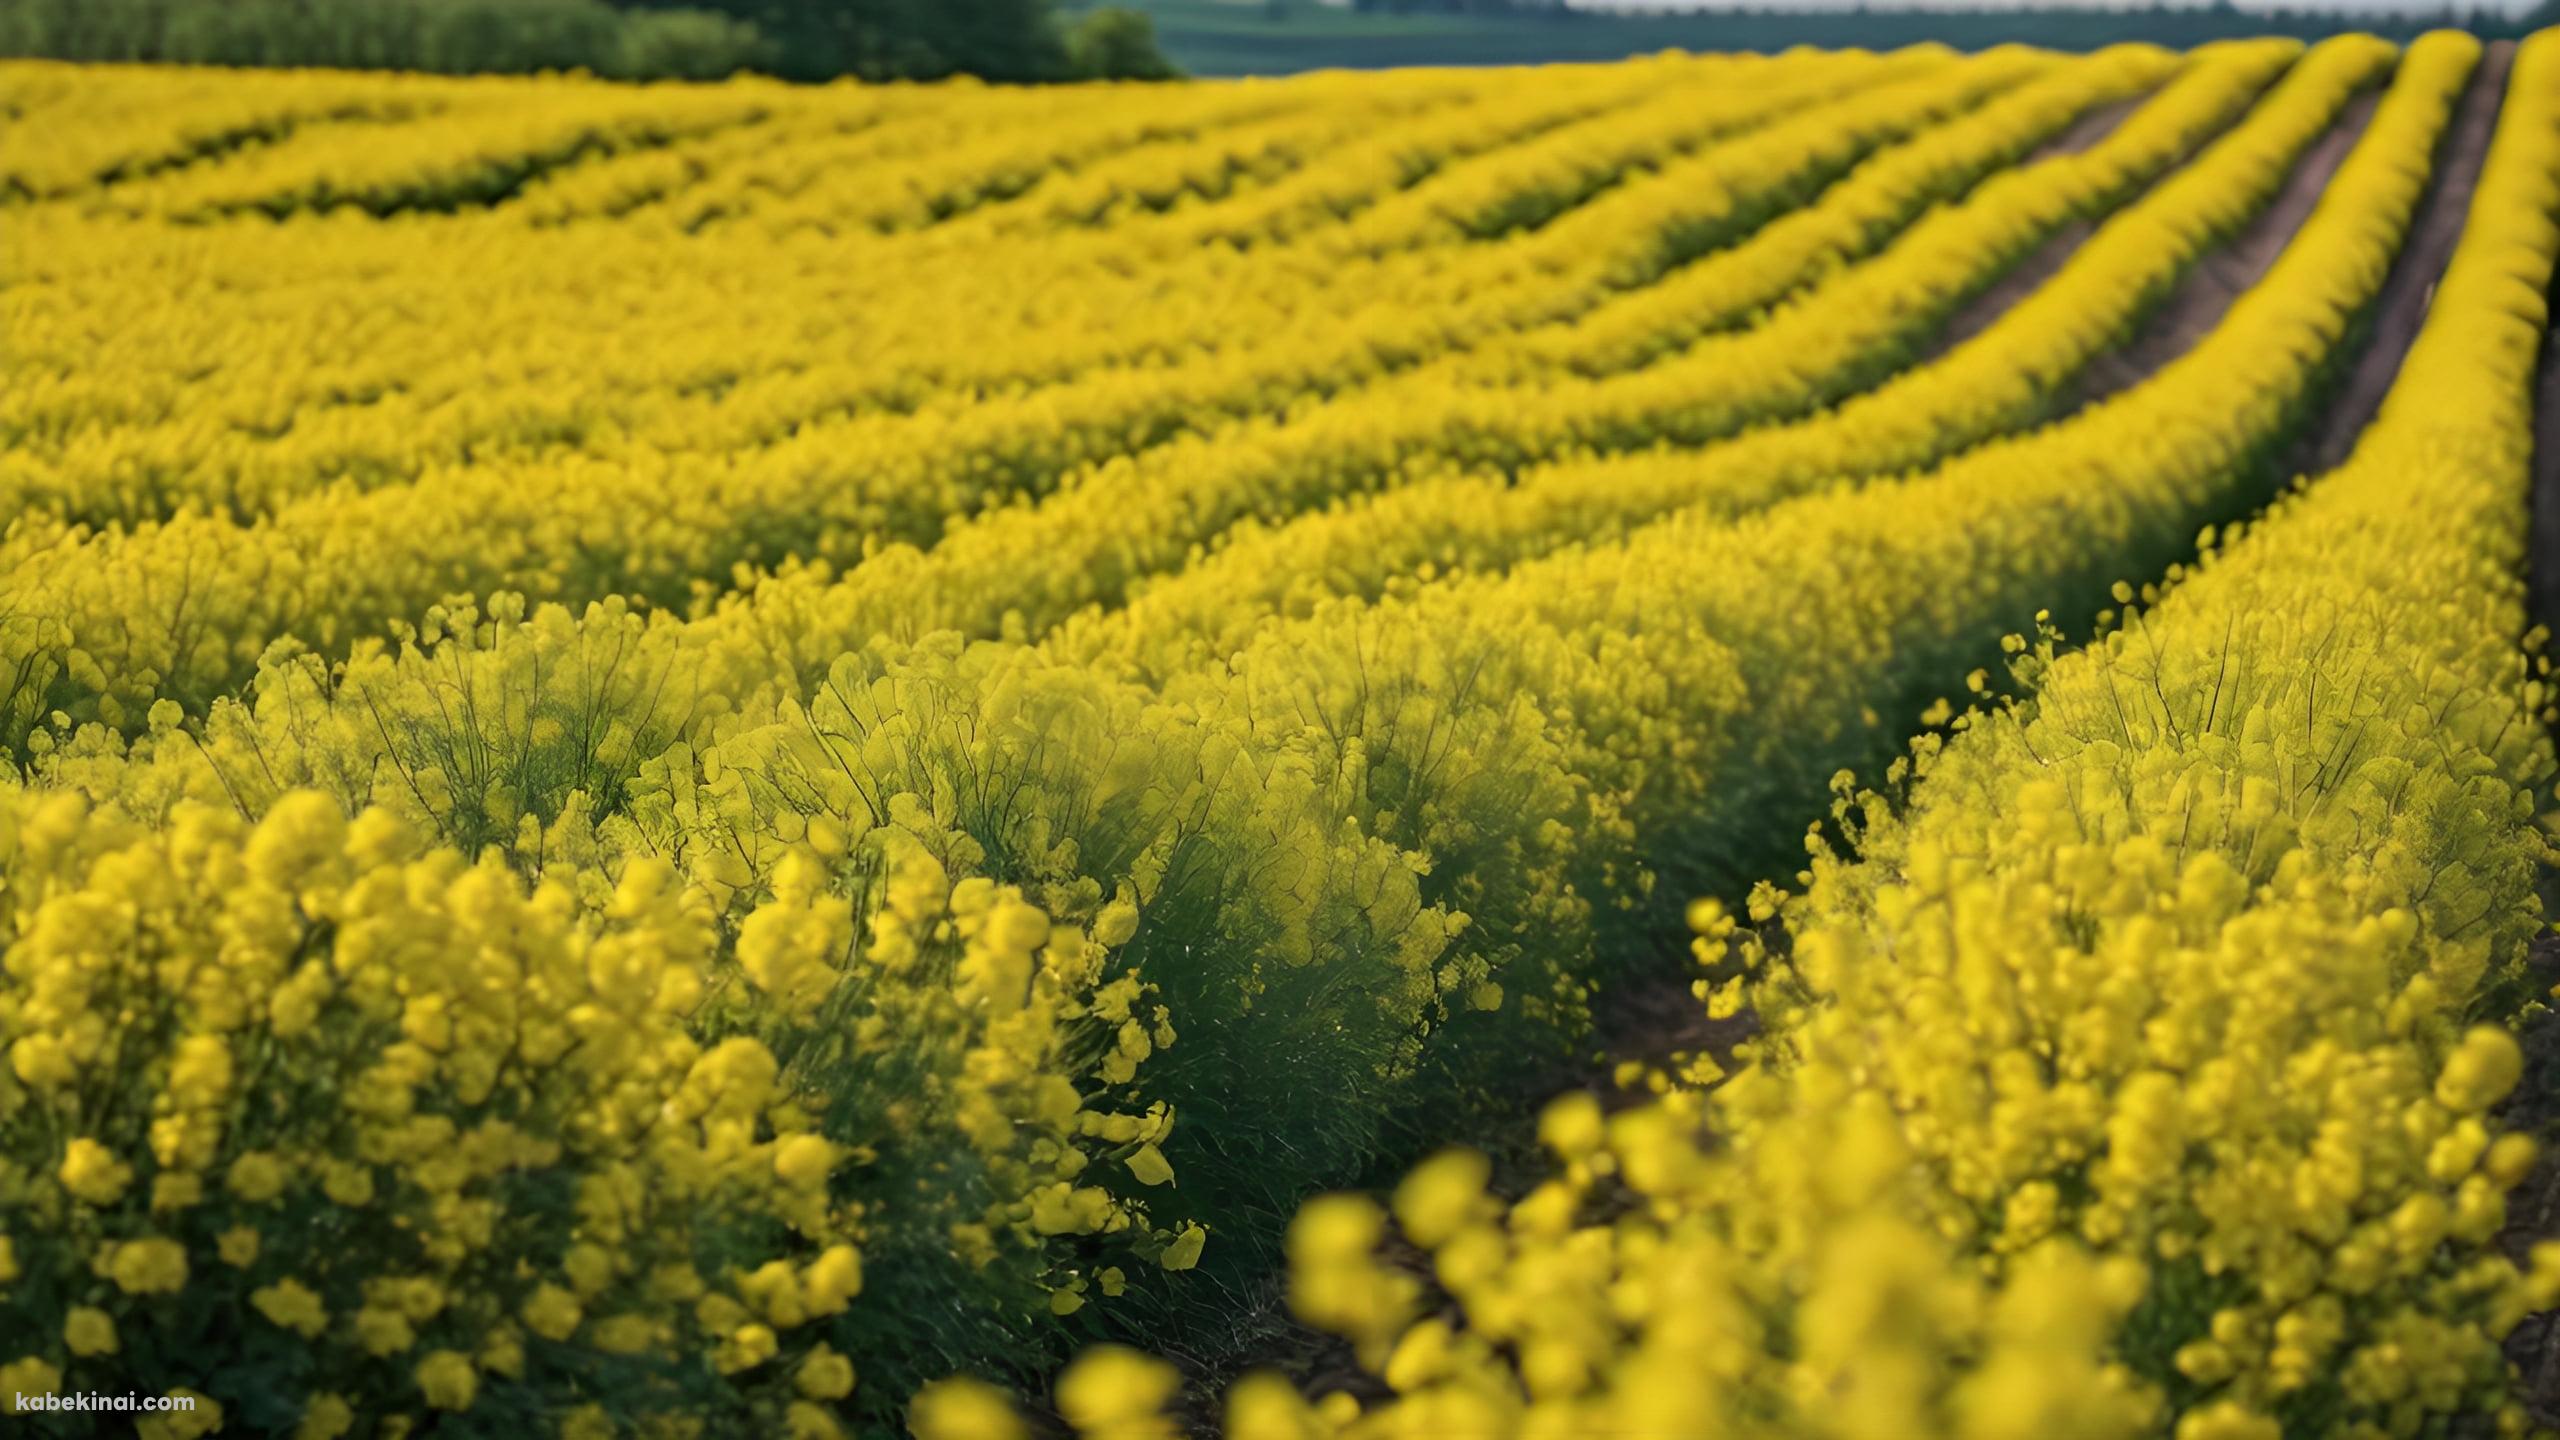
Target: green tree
{"points": [[687, 45], [450, 36], [464, 37], [1015, 40], [1117, 43]]}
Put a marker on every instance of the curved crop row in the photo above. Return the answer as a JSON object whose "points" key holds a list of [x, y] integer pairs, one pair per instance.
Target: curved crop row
{"points": [[469, 154], [273, 428], [2125, 1080], [731, 655], [1847, 222], [75, 128], [1524, 186], [451, 558], [277, 360], [1134, 519], [871, 129], [2002, 380], [260, 445], [1152, 181]]}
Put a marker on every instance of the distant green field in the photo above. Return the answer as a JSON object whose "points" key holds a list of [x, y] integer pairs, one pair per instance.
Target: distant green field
{"points": [[1279, 37], [1246, 37]]}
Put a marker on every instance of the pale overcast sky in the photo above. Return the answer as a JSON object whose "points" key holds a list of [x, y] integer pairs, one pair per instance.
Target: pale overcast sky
{"points": [[2360, 7]]}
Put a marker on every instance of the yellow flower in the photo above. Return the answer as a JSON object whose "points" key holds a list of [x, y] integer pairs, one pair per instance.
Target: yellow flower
{"points": [[43, 1062], [2511, 1158], [774, 1289], [1149, 1167], [502, 1352], [1442, 1194], [200, 1075], [384, 1332], [1116, 923], [625, 1334], [2480, 1072], [589, 1268], [1570, 1125], [92, 1172], [325, 1417], [963, 1409], [804, 1160], [347, 1184], [256, 1177], [155, 1266], [29, 1375], [1264, 1406], [292, 1305], [1112, 1393], [552, 1313], [804, 1421], [2227, 1420], [238, 1246], [746, 1348], [88, 1331], [203, 1417], [1062, 1209], [447, 1380], [173, 1191], [1184, 1252], [832, 1280], [824, 1375]]}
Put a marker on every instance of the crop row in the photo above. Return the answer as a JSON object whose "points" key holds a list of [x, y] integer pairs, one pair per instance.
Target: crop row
{"points": [[2126, 1077], [330, 569], [242, 430]]}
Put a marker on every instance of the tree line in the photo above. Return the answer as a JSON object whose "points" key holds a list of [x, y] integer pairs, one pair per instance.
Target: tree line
{"points": [[1004, 40]]}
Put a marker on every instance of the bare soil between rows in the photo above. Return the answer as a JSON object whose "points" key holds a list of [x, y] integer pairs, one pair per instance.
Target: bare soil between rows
{"points": [[2401, 308], [2533, 1211]]}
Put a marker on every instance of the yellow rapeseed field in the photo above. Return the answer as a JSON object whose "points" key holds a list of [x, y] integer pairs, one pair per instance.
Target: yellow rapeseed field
{"points": [[766, 761]]}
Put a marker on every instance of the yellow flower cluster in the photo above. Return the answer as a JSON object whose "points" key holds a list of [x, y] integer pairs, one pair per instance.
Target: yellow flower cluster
{"points": [[330, 504], [1088, 534], [2008, 375], [2126, 1079], [472, 1144], [2184, 950], [135, 123]]}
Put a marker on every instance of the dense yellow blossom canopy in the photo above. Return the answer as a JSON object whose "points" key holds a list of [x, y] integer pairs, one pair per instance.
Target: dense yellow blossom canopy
{"points": [[754, 760]]}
